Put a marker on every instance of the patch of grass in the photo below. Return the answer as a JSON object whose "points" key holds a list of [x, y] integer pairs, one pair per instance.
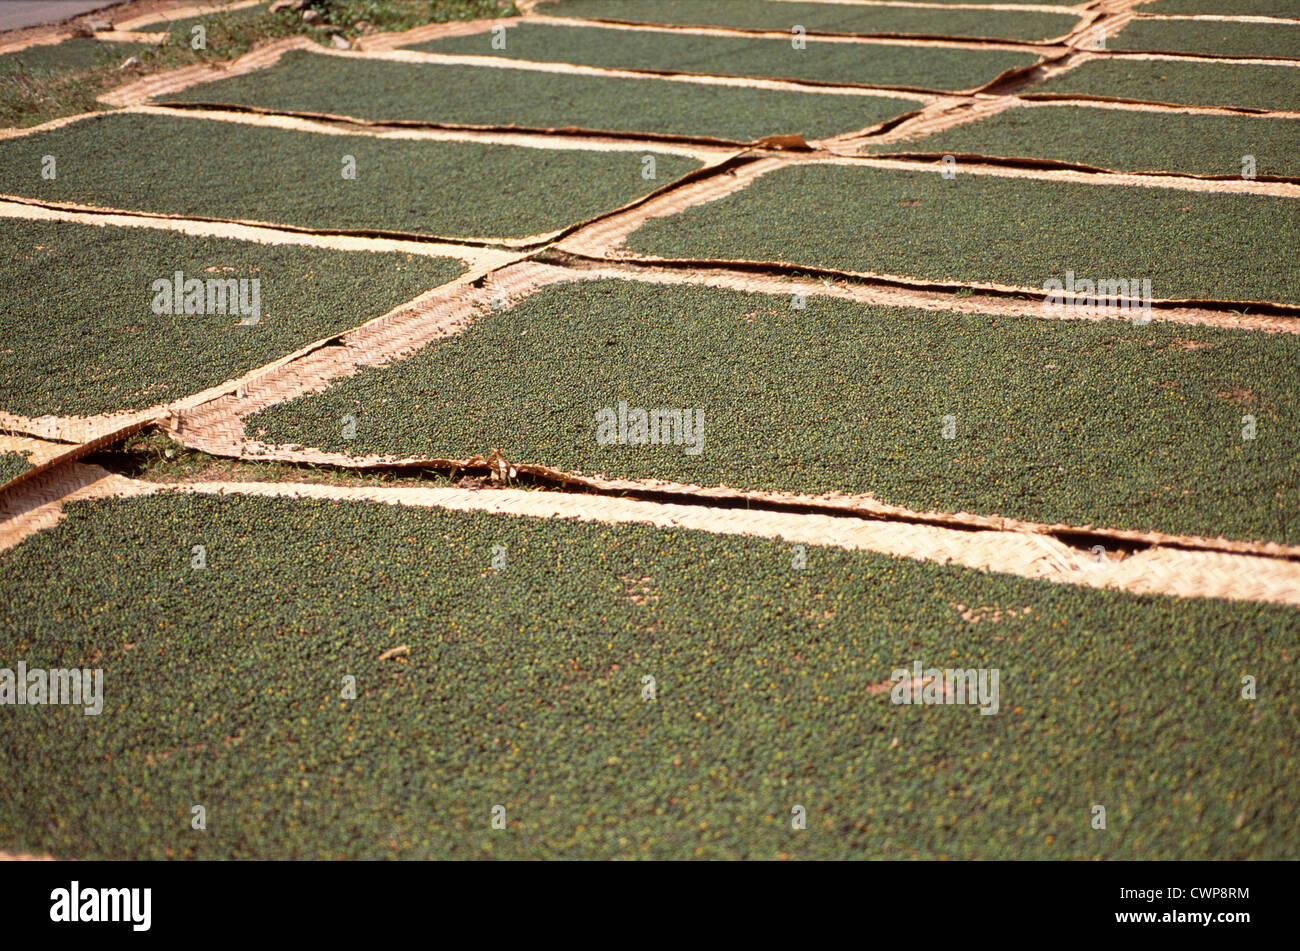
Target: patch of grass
{"points": [[523, 688], [377, 90], [878, 64], [81, 336], [12, 465], [345, 17], [823, 17], [45, 83], [392, 16], [1108, 424], [287, 177], [77, 53], [1195, 84], [230, 26], [1015, 231], [1215, 37], [1124, 140]]}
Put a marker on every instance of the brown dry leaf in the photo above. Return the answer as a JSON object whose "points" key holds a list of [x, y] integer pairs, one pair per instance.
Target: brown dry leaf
{"points": [[640, 591], [987, 612], [1237, 394]]}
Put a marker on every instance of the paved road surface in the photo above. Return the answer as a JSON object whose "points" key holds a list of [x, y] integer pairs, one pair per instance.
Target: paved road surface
{"points": [[16, 14]]}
